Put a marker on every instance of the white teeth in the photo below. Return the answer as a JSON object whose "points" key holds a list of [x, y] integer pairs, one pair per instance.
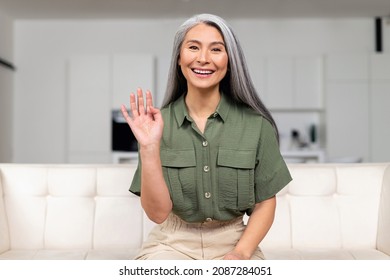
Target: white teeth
{"points": [[203, 72]]}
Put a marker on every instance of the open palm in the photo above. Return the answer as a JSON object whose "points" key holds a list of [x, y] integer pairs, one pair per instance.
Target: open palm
{"points": [[146, 123]]}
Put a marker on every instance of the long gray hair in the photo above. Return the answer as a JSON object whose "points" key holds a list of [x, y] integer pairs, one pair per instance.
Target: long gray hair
{"points": [[237, 84]]}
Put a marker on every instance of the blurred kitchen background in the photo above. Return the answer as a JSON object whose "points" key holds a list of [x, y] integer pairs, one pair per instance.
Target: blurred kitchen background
{"points": [[322, 67]]}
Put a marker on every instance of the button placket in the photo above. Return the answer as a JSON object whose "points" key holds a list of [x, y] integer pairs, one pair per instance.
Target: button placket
{"points": [[205, 146]]}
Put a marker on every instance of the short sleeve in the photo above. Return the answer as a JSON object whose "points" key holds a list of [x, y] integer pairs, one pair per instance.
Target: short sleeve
{"points": [[135, 186], [271, 172]]}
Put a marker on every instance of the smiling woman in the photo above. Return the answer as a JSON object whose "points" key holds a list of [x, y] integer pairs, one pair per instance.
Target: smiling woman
{"points": [[210, 155], [203, 62]]}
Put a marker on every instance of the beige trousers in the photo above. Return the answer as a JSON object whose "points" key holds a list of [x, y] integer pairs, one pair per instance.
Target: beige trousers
{"points": [[176, 239]]}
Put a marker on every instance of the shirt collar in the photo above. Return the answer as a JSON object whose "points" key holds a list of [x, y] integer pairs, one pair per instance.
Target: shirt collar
{"points": [[181, 112]]}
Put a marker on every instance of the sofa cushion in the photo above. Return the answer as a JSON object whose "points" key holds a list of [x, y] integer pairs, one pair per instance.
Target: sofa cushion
{"points": [[111, 254], [315, 222], [18, 254], [117, 254], [324, 254], [118, 222], [69, 222], [25, 189], [26, 220]]}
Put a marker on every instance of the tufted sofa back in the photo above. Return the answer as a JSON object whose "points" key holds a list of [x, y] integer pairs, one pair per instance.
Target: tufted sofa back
{"points": [[68, 207], [333, 206], [88, 207]]}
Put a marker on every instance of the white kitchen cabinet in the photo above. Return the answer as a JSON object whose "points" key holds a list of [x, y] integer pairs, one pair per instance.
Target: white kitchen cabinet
{"points": [[162, 69], [256, 67], [380, 128], [380, 102], [279, 83], [6, 114], [294, 83], [308, 82], [347, 67], [348, 120], [88, 114], [358, 98], [347, 117], [97, 84], [129, 72], [380, 67]]}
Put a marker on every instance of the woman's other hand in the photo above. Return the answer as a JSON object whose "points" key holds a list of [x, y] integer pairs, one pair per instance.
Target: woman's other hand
{"points": [[232, 255], [146, 123]]}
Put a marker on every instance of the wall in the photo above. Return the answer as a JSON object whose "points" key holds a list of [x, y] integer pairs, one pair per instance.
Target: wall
{"points": [[6, 89], [42, 48], [386, 34]]}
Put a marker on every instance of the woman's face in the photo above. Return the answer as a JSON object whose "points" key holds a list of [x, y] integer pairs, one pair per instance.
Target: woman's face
{"points": [[203, 58]]}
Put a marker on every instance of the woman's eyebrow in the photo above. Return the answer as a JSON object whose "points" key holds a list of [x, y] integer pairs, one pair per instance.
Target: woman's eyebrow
{"points": [[199, 42], [218, 43]]}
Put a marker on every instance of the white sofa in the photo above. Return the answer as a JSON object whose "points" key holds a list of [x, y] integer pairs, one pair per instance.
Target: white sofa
{"points": [[329, 211]]}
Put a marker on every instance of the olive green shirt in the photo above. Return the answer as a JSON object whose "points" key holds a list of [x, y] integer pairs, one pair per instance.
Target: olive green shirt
{"points": [[222, 173]]}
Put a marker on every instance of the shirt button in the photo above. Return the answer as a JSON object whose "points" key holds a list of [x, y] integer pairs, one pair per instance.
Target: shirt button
{"points": [[206, 168], [207, 195], [209, 220], [215, 114], [205, 143]]}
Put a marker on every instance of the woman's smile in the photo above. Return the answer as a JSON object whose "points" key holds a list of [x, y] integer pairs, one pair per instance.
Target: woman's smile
{"points": [[203, 72]]}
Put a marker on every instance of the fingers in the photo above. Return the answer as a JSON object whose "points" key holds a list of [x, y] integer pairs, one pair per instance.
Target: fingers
{"points": [[149, 99], [149, 103], [137, 103], [141, 106], [125, 114], [133, 105]]}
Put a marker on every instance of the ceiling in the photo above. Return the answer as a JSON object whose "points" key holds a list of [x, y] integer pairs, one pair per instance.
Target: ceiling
{"points": [[125, 9]]}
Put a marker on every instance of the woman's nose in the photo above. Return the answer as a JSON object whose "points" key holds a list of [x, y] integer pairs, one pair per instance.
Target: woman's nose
{"points": [[203, 56]]}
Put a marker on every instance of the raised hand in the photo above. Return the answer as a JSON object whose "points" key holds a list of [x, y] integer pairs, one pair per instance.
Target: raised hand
{"points": [[146, 123]]}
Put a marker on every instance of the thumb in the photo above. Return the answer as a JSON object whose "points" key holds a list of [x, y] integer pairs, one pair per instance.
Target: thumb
{"points": [[156, 113]]}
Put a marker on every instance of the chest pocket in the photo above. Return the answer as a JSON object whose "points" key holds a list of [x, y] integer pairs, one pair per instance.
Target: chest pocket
{"points": [[236, 179], [179, 167]]}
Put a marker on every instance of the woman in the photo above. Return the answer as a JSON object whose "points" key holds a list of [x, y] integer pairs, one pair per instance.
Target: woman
{"points": [[210, 155]]}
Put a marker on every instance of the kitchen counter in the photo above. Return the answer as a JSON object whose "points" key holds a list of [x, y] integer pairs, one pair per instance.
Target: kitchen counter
{"points": [[304, 155]]}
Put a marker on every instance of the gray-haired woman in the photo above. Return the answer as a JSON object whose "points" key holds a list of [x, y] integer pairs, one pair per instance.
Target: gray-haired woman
{"points": [[210, 156]]}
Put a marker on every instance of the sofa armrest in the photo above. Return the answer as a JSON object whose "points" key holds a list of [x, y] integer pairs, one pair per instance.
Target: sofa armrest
{"points": [[4, 233], [383, 240]]}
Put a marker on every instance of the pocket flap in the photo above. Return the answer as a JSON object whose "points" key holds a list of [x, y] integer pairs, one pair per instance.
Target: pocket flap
{"points": [[178, 158], [245, 159]]}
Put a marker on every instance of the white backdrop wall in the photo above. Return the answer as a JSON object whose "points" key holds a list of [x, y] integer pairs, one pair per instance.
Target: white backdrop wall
{"points": [[6, 89], [43, 47]]}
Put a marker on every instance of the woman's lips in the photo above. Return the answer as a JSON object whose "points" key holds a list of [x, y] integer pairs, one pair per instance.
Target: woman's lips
{"points": [[202, 72]]}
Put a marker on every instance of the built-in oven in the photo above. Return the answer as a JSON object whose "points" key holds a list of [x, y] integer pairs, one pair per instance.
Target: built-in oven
{"points": [[123, 139]]}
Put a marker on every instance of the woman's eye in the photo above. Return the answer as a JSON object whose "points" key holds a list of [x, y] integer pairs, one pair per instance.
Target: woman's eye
{"points": [[193, 47], [216, 50]]}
